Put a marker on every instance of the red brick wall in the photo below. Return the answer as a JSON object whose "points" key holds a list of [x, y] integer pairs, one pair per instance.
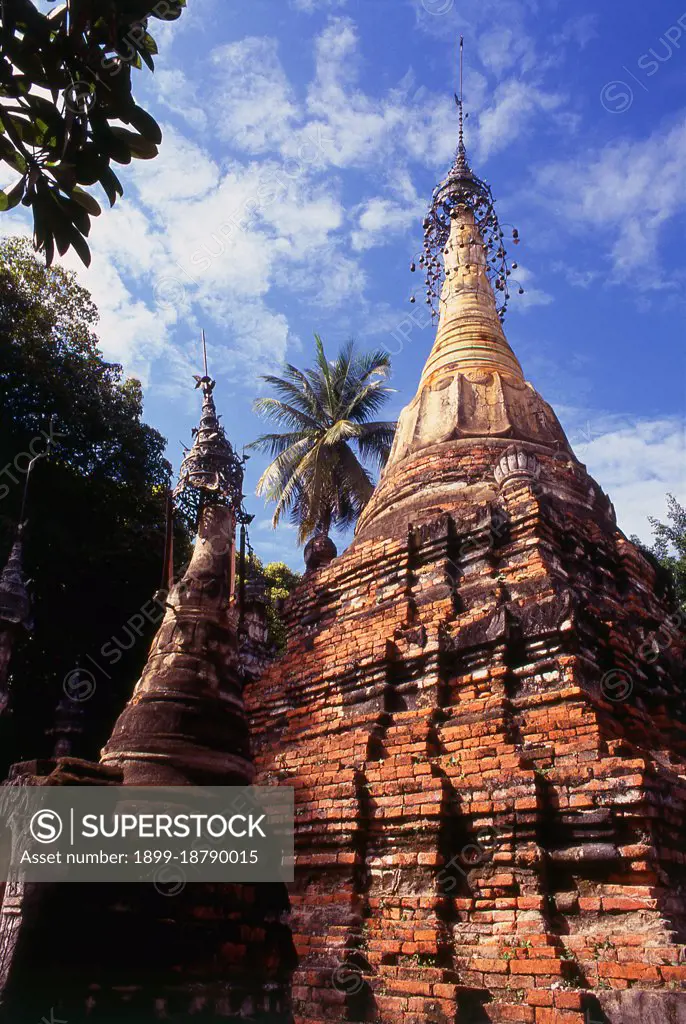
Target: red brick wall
{"points": [[482, 717]]}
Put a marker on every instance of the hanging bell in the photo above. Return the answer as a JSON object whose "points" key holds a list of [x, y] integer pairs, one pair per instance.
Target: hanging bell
{"points": [[412, 298], [514, 266], [521, 291], [413, 267]]}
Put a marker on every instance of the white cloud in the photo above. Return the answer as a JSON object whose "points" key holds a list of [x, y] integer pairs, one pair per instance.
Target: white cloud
{"points": [[259, 338], [197, 17], [628, 192], [576, 277], [365, 131], [210, 244], [310, 6], [182, 170], [579, 30], [253, 103], [180, 95], [502, 49], [333, 282], [532, 296], [131, 332], [515, 104], [636, 463], [380, 219]]}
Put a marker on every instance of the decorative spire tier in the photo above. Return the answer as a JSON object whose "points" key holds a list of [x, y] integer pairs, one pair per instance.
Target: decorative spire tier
{"points": [[462, 190], [472, 386], [15, 610], [211, 472], [470, 333]]}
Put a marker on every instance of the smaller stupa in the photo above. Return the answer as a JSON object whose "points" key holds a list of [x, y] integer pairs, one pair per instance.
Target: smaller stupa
{"points": [[185, 722]]}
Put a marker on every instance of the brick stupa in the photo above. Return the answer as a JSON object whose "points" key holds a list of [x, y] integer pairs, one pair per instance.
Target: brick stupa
{"points": [[481, 712]]}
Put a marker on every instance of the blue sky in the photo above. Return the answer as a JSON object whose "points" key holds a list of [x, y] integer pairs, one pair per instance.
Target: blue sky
{"points": [[302, 141]]}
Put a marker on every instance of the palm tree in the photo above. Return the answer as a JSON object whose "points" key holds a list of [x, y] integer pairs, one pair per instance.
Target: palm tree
{"points": [[316, 477]]}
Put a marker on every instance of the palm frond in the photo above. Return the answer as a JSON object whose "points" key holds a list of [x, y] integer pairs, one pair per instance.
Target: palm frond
{"points": [[343, 374], [325, 370], [295, 392], [315, 476], [281, 479], [359, 484], [367, 401], [375, 440], [284, 413], [341, 430], [300, 380], [275, 444], [317, 385]]}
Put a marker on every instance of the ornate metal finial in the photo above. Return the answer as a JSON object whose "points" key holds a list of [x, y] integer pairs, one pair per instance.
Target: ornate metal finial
{"points": [[29, 469], [461, 157], [463, 190], [211, 472]]}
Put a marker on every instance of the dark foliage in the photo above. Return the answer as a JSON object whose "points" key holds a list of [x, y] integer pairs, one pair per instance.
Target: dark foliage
{"points": [[95, 508], [670, 545]]}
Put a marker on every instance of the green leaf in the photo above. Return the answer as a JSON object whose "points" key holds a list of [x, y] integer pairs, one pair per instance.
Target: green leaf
{"points": [[44, 107], [14, 196], [142, 52], [87, 201], [30, 132], [79, 217], [141, 148], [143, 122], [64, 174], [149, 43], [61, 231], [11, 156], [112, 144], [111, 184], [80, 246], [49, 250]]}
